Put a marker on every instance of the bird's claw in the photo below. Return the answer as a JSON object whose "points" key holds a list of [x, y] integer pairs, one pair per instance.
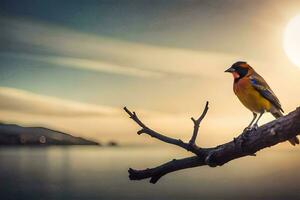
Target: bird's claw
{"points": [[246, 133], [247, 129], [254, 127], [250, 129]]}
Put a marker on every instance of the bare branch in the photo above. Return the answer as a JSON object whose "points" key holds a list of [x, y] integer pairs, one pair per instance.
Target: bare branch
{"points": [[161, 137], [270, 134], [157, 172], [197, 124], [267, 135]]}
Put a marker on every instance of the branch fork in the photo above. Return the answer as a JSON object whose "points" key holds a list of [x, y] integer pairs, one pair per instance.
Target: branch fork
{"points": [[190, 146]]}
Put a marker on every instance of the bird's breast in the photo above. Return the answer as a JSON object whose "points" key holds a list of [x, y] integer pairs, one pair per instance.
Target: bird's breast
{"points": [[250, 97]]}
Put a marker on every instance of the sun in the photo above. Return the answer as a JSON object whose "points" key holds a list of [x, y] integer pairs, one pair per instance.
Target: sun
{"points": [[292, 40]]}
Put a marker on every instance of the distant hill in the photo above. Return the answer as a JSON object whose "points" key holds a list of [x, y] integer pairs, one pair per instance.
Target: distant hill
{"points": [[11, 134]]}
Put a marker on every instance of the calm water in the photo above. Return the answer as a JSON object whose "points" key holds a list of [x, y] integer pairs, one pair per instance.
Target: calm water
{"points": [[101, 173]]}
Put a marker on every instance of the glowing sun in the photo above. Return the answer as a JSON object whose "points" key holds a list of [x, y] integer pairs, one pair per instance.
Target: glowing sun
{"points": [[292, 40]]}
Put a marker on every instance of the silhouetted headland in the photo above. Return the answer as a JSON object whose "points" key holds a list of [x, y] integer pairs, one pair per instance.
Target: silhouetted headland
{"points": [[11, 134]]}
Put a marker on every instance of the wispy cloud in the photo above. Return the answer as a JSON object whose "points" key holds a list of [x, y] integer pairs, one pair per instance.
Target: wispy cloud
{"points": [[22, 101], [69, 48], [87, 64]]}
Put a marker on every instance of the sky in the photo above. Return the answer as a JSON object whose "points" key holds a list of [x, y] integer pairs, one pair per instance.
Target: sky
{"points": [[73, 65]]}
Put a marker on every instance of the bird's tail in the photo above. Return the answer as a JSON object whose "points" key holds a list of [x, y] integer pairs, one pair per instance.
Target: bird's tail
{"points": [[293, 140]]}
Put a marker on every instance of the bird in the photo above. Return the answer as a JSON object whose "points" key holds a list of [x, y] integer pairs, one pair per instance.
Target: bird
{"points": [[255, 94]]}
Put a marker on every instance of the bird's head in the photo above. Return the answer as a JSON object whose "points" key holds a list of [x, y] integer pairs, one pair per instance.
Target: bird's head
{"points": [[240, 69]]}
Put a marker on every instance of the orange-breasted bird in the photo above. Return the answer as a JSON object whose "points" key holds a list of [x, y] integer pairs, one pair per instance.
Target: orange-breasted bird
{"points": [[255, 94]]}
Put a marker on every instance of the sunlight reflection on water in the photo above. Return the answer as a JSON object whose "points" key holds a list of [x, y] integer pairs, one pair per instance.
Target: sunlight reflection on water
{"points": [[101, 173]]}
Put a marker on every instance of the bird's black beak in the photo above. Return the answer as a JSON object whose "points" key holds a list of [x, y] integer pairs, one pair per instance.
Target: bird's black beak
{"points": [[230, 70]]}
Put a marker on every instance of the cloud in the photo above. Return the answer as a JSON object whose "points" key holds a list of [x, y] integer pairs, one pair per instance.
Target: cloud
{"points": [[88, 64], [70, 48], [22, 101]]}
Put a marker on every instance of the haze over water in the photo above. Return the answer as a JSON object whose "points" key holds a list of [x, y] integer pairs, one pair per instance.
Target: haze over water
{"points": [[101, 173]]}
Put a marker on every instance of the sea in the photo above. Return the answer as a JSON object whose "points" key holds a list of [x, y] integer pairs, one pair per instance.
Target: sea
{"points": [[92, 172]]}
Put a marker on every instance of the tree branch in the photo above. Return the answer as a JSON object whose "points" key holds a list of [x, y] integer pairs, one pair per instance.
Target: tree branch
{"points": [[270, 134], [191, 146], [197, 124], [157, 172]]}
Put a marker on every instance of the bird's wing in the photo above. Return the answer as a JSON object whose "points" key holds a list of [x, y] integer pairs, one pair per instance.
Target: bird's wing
{"points": [[264, 89]]}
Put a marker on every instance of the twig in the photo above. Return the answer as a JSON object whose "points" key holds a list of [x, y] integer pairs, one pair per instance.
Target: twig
{"points": [[197, 124], [187, 146]]}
